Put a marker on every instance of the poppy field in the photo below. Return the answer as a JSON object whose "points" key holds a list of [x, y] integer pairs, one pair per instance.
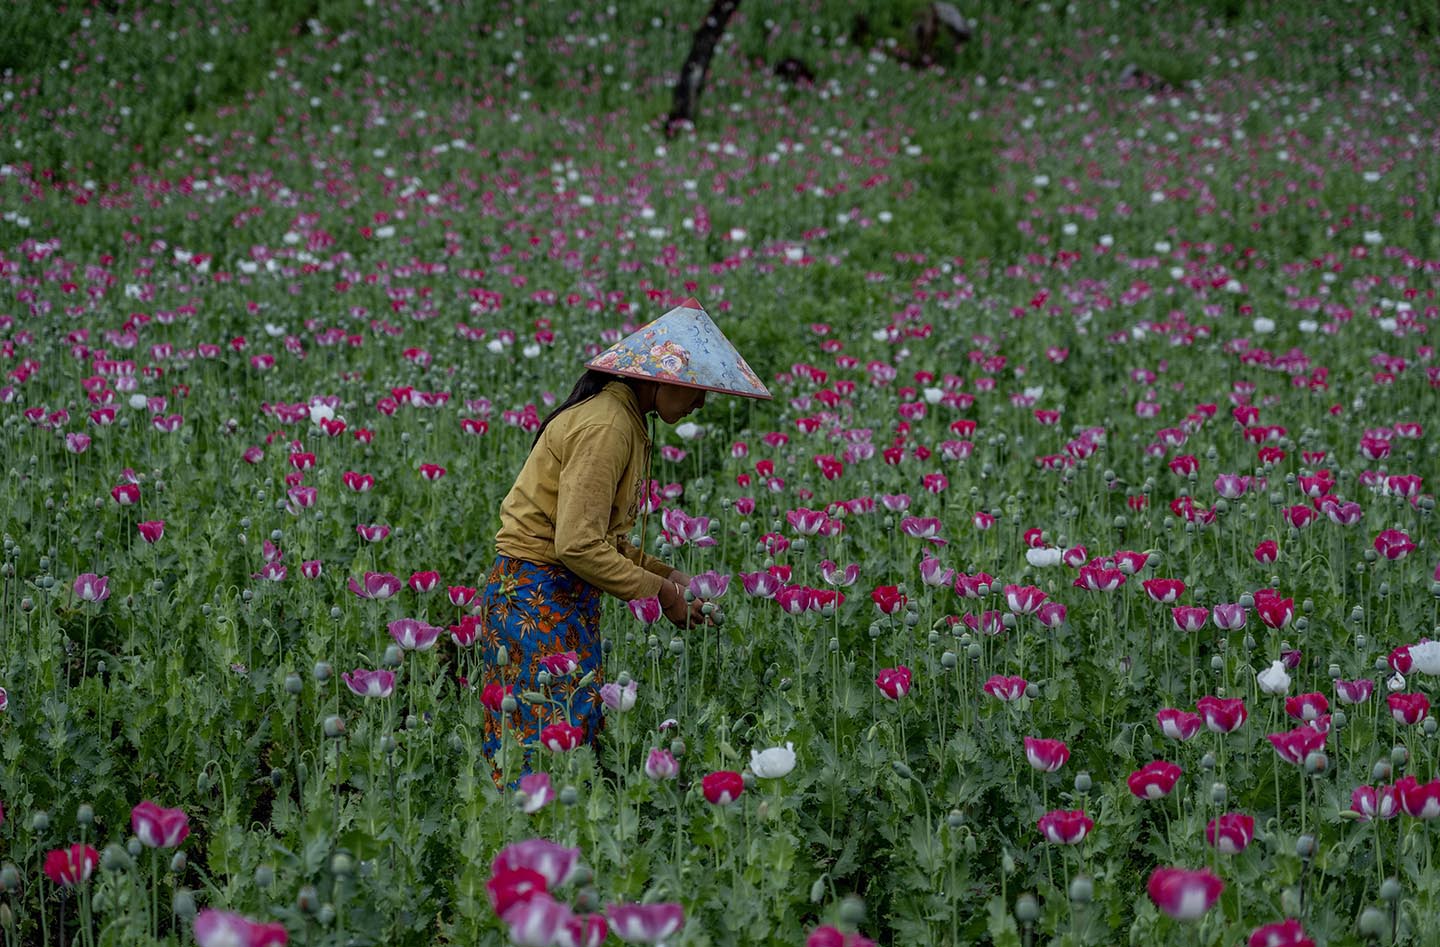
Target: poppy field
{"points": [[1078, 586]]}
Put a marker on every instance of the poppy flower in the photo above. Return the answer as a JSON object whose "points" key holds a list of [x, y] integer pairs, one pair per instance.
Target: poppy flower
{"points": [[1065, 826], [1221, 714], [645, 923], [722, 787], [1230, 833], [561, 737], [71, 866], [1286, 933], [159, 828], [1047, 756], [1178, 724], [225, 929], [894, 682], [1154, 780], [1183, 894]]}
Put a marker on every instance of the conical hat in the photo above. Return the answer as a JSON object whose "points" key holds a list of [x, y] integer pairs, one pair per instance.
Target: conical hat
{"points": [[682, 347]]}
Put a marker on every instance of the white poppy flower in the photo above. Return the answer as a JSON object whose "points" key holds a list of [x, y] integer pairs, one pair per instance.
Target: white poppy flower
{"points": [[1043, 557], [1274, 679], [773, 763], [1425, 657]]}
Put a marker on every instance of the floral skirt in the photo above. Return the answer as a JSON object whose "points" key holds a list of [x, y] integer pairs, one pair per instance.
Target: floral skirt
{"points": [[535, 611]]}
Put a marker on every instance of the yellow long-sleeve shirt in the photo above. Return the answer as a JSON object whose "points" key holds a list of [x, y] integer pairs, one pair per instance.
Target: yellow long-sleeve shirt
{"points": [[578, 495]]}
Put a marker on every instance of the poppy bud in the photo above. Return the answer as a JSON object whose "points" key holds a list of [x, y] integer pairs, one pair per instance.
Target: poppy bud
{"points": [[502, 656]]}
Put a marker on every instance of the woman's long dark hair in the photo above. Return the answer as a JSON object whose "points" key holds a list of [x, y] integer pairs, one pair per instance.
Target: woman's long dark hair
{"points": [[590, 384]]}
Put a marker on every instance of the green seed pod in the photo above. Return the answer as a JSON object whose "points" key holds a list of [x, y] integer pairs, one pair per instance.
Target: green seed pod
{"points": [[393, 657], [1305, 846], [308, 900], [1082, 890], [326, 914], [342, 865], [1381, 771], [40, 821], [1389, 890], [133, 848], [334, 727], [902, 770], [1399, 755], [955, 819], [322, 672], [949, 660], [264, 877], [178, 863], [677, 748], [1027, 909], [569, 795], [1219, 794], [508, 704], [293, 684], [1083, 783], [85, 814], [113, 858], [1316, 762], [1374, 923], [852, 910]]}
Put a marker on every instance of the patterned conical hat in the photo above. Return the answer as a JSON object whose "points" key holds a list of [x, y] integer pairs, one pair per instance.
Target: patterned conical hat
{"points": [[682, 347]]}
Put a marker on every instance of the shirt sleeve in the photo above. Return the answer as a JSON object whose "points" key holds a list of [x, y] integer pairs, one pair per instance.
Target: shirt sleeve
{"points": [[651, 564], [594, 461]]}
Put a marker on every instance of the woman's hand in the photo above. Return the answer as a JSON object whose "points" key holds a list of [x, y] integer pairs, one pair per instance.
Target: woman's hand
{"points": [[682, 614]]}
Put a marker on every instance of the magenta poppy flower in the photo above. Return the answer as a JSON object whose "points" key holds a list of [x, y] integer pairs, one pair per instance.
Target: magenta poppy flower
{"points": [[71, 866], [661, 765], [894, 682], [722, 787], [461, 596], [363, 683], [1178, 724], [1286, 933], [1189, 618], [1154, 780], [1274, 611], [126, 494], [1295, 745], [159, 828], [708, 585], [1307, 707], [1375, 802], [973, 586], [224, 929], [1267, 552], [372, 533], [1418, 800], [561, 737], [1023, 599], [1047, 756], [551, 861], [413, 634], [646, 610], [1394, 544], [312, 568], [1163, 591], [1221, 714], [1408, 709], [1004, 688], [1183, 894], [888, 599], [377, 585], [645, 923], [535, 792], [562, 664], [151, 530], [1230, 833], [1095, 578], [1229, 616], [424, 581], [90, 587], [1065, 826], [828, 936]]}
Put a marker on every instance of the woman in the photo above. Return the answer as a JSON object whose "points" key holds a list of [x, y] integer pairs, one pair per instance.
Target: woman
{"points": [[564, 523]]}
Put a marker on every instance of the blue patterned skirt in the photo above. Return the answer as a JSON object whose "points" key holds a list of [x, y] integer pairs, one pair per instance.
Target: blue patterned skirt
{"points": [[535, 611]]}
